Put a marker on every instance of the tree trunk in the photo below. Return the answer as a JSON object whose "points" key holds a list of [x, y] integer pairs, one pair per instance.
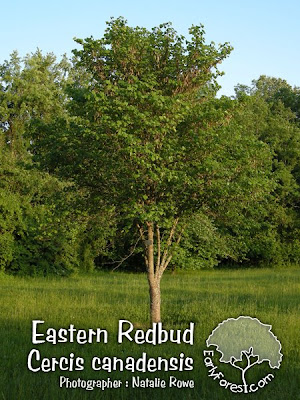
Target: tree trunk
{"points": [[154, 290], [153, 279], [155, 272]]}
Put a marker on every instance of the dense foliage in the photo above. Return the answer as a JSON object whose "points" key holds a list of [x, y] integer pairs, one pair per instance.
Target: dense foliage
{"points": [[129, 138], [43, 224]]}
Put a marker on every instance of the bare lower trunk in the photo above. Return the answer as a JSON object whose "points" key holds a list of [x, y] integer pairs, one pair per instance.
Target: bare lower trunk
{"points": [[153, 279], [154, 290], [156, 269]]}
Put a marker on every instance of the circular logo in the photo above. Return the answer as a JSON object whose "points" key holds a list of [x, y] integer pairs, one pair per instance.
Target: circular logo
{"points": [[245, 344]]}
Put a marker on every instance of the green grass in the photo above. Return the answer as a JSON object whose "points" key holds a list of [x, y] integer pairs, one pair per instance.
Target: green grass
{"points": [[101, 299]]}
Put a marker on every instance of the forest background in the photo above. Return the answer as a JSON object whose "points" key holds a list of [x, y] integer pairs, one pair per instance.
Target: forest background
{"points": [[56, 217]]}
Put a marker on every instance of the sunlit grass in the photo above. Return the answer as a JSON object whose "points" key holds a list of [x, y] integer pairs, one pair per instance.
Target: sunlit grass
{"points": [[101, 299]]}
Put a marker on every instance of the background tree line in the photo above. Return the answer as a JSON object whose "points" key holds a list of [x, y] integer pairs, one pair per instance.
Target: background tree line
{"points": [[94, 148]]}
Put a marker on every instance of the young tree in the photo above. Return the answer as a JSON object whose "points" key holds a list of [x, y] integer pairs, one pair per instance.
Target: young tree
{"points": [[146, 135]]}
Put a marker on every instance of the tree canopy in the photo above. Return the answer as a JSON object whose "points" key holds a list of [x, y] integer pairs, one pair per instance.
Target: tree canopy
{"points": [[126, 150], [146, 135]]}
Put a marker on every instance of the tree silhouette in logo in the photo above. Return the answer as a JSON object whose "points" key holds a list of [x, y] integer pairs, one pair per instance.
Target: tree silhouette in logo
{"points": [[246, 337]]}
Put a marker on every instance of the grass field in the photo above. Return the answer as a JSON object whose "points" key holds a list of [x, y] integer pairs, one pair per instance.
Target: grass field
{"points": [[101, 299]]}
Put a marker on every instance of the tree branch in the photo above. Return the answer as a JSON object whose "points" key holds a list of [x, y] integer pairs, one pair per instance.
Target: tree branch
{"points": [[168, 244], [143, 238], [158, 247], [232, 362], [150, 250], [129, 255], [170, 257]]}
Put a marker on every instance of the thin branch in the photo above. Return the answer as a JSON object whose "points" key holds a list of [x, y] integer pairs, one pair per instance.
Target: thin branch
{"points": [[129, 255], [169, 241], [248, 355], [164, 267], [143, 237], [251, 365], [150, 251], [180, 234], [167, 263], [141, 231], [234, 365], [172, 232], [158, 247]]}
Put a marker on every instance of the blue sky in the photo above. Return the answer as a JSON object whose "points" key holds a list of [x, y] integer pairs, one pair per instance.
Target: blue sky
{"points": [[265, 34]]}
